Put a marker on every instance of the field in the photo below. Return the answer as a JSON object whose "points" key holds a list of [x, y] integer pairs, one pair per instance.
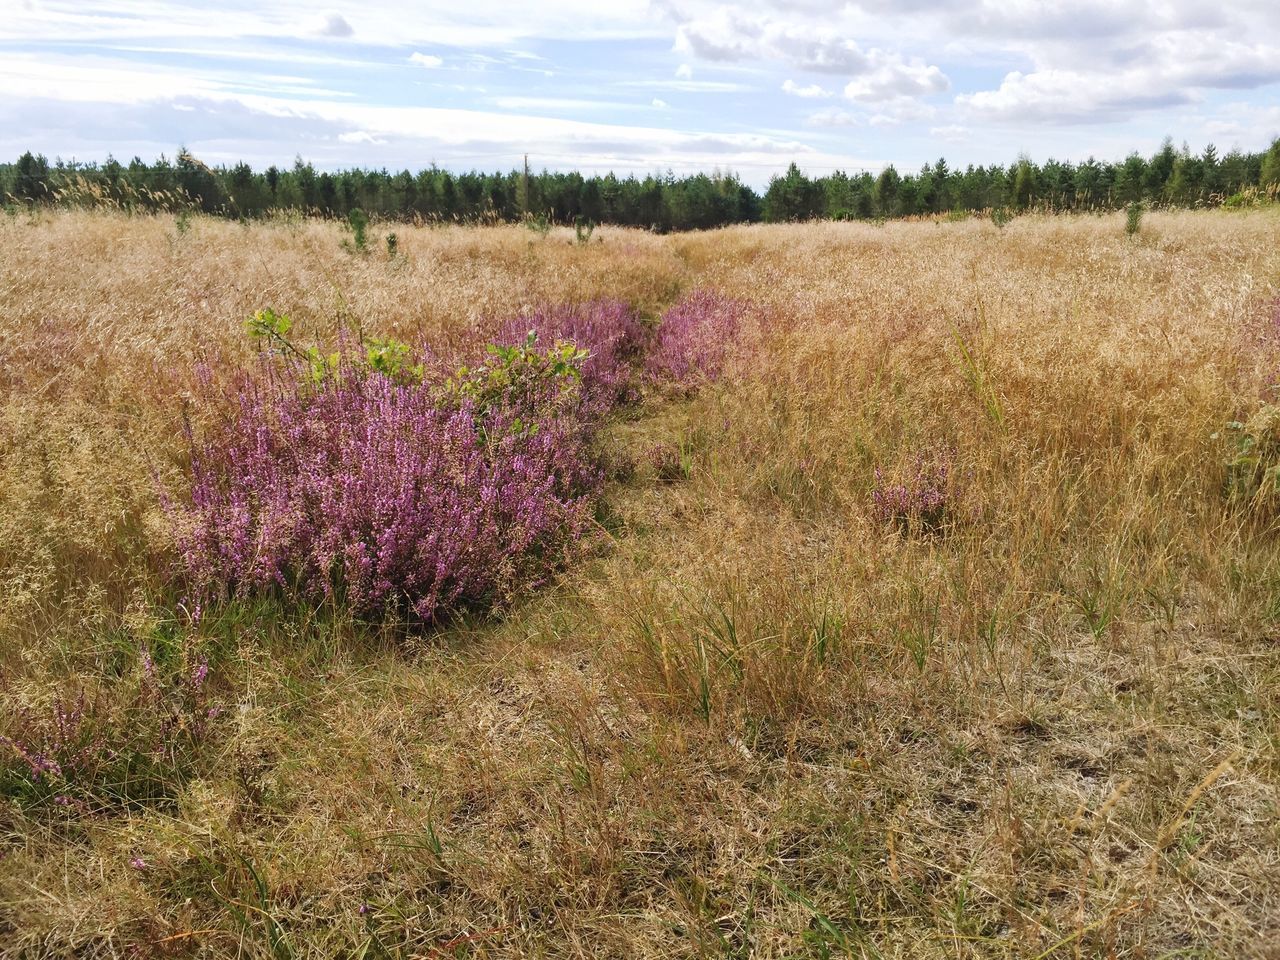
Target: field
{"points": [[934, 625]]}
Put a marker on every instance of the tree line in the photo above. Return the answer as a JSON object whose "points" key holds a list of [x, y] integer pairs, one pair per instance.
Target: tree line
{"points": [[658, 202]]}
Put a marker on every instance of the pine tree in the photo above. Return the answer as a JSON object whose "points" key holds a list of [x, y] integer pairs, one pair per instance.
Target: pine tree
{"points": [[1212, 177], [1129, 179], [1160, 169], [1024, 184], [792, 197], [32, 182], [1270, 173], [885, 195]]}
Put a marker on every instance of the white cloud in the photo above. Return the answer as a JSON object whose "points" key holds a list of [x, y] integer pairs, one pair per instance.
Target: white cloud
{"points": [[689, 86], [725, 35], [812, 91], [951, 133], [94, 81], [890, 78], [833, 117], [579, 104], [684, 71], [1164, 72], [659, 104], [1066, 96], [893, 113], [1245, 121], [426, 60], [1063, 63], [335, 25], [494, 24], [358, 136]]}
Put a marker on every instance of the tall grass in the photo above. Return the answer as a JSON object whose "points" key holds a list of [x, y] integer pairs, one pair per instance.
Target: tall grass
{"points": [[932, 627]]}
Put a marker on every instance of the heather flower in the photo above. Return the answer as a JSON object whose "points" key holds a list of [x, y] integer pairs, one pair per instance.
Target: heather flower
{"points": [[920, 501], [694, 339], [375, 492], [105, 747], [53, 746], [668, 461], [614, 337], [416, 487]]}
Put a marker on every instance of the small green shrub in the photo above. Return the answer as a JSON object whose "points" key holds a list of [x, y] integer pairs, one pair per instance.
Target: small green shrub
{"points": [[1253, 467], [393, 246], [1252, 197], [521, 373], [582, 230], [539, 224], [391, 358], [358, 224], [1133, 218], [1001, 217]]}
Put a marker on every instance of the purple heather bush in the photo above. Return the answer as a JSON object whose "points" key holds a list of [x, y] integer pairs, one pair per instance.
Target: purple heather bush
{"points": [[391, 480], [611, 332], [918, 502], [376, 492], [694, 338], [129, 746]]}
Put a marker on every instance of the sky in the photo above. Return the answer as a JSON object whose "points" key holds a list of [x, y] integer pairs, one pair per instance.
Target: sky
{"points": [[636, 86]]}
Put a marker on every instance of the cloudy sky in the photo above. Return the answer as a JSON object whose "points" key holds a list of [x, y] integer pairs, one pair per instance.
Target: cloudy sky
{"points": [[636, 85]]}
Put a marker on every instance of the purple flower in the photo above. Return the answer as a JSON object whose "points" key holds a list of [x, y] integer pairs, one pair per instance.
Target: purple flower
{"points": [[407, 493], [383, 495], [694, 339], [921, 500]]}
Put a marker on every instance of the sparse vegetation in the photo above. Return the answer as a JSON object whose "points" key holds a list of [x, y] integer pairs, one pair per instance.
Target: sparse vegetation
{"points": [[358, 226], [1133, 218], [792, 591], [1253, 467]]}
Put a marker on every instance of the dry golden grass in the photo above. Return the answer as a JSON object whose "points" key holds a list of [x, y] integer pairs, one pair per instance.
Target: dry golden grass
{"points": [[757, 723]]}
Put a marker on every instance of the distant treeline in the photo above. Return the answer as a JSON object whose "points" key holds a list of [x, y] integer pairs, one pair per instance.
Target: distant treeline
{"points": [[1170, 177]]}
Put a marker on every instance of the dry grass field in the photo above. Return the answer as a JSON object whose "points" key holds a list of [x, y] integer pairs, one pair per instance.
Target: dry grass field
{"points": [[764, 715]]}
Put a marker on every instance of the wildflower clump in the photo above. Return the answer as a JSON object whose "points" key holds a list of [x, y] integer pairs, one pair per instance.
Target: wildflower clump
{"points": [[919, 501], [386, 479], [129, 746], [694, 338], [382, 489]]}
